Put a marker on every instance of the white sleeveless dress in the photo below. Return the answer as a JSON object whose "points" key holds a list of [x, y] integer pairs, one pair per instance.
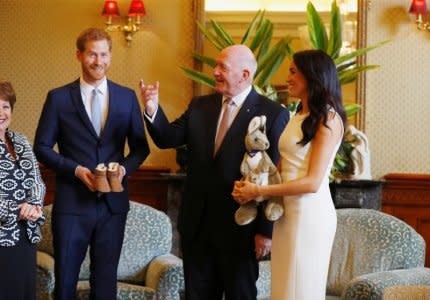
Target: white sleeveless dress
{"points": [[303, 236]]}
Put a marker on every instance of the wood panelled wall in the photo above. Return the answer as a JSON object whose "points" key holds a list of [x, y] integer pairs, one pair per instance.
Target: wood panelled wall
{"points": [[147, 185], [407, 197]]}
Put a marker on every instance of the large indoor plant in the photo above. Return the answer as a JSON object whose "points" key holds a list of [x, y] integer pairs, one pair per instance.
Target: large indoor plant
{"points": [[258, 37], [347, 69]]}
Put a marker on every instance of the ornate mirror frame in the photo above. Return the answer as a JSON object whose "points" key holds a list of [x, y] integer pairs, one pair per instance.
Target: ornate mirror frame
{"points": [[362, 9]]}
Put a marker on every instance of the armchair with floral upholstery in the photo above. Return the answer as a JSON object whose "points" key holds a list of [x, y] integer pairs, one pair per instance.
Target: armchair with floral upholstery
{"points": [[371, 251], [146, 269]]}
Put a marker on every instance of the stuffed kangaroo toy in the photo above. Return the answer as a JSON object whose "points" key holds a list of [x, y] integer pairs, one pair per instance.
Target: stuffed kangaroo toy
{"points": [[258, 168]]}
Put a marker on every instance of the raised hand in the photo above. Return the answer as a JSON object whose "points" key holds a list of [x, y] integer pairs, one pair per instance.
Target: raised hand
{"points": [[149, 97]]}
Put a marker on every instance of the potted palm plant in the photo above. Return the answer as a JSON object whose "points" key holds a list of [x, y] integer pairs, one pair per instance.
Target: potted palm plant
{"points": [[345, 193], [347, 69], [259, 36]]}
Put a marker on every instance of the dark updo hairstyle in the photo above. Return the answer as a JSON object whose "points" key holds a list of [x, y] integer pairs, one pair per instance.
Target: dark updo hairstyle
{"points": [[324, 92], [7, 93]]}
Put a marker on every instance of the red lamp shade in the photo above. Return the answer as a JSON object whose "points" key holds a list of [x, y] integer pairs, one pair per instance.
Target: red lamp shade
{"points": [[110, 9], [418, 7], [136, 8]]}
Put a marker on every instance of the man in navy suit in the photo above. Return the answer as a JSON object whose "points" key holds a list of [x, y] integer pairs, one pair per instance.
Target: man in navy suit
{"points": [[82, 216], [220, 257]]}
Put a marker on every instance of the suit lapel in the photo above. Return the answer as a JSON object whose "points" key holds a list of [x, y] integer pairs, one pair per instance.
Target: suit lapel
{"points": [[77, 101], [241, 122], [213, 115]]}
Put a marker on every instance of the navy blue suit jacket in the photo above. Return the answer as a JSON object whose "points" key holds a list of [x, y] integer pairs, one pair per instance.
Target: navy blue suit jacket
{"points": [[65, 122], [210, 179]]}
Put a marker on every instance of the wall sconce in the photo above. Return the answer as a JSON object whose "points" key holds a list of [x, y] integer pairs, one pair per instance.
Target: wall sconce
{"points": [[419, 8], [111, 10]]}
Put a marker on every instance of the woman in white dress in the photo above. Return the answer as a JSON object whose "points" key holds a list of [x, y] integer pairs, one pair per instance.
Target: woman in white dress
{"points": [[303, 237]]}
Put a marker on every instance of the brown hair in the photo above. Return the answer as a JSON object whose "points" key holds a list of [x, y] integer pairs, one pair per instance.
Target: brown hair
{"points": [[92, 34], [7, 92]]}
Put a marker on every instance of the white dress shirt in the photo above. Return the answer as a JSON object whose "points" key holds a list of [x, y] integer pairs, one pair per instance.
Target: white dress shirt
{"points": [[86, 93]]}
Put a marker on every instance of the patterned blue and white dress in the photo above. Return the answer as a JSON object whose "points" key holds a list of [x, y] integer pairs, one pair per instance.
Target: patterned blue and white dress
{"points": [[20, 182]]}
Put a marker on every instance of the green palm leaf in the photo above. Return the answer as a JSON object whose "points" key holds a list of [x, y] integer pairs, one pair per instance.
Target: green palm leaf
{"points": [[345, 66], [199, 77], [335, 41], [259, 35], [349, 75], [268, 72], [290, 50], [316, 29], [222, 34], [258, 89], [351, 109], [283, 45], [257, 19], [358, 52], [211, 38], [265, 44], [266, 60], [204, 59]]}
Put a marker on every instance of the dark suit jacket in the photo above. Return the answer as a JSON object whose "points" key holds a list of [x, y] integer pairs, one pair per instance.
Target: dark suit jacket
{"points": [[65, 122], [210, 179]]}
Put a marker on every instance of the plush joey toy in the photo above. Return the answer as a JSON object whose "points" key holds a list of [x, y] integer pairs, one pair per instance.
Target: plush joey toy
{"points": [[257, 167]]}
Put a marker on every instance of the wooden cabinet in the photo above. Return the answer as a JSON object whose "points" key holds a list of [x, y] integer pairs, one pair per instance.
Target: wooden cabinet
{"points": [[407, 197], [147, 185]]}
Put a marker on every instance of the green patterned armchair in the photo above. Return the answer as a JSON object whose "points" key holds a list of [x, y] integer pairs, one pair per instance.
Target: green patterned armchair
{"points": [[371, 251], [146, 269]]}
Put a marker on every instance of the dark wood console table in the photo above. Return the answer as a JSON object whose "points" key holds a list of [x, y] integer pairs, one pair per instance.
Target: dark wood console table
{"points": [[357, 194], [176, 186], [146, 185]]}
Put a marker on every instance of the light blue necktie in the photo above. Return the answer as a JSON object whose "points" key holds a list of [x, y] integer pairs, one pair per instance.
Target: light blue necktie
{"points": [[96, 114]]}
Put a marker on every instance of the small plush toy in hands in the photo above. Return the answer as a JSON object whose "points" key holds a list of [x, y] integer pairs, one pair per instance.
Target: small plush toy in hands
{"points": [[258, 168]]}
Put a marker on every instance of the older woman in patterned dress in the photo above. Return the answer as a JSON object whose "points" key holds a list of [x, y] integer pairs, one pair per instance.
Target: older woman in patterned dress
{"points": [[21, 198]]}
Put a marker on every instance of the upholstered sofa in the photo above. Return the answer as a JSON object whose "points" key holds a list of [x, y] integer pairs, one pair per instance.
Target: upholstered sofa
{"points": [[146, 270], [371, 251]]}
